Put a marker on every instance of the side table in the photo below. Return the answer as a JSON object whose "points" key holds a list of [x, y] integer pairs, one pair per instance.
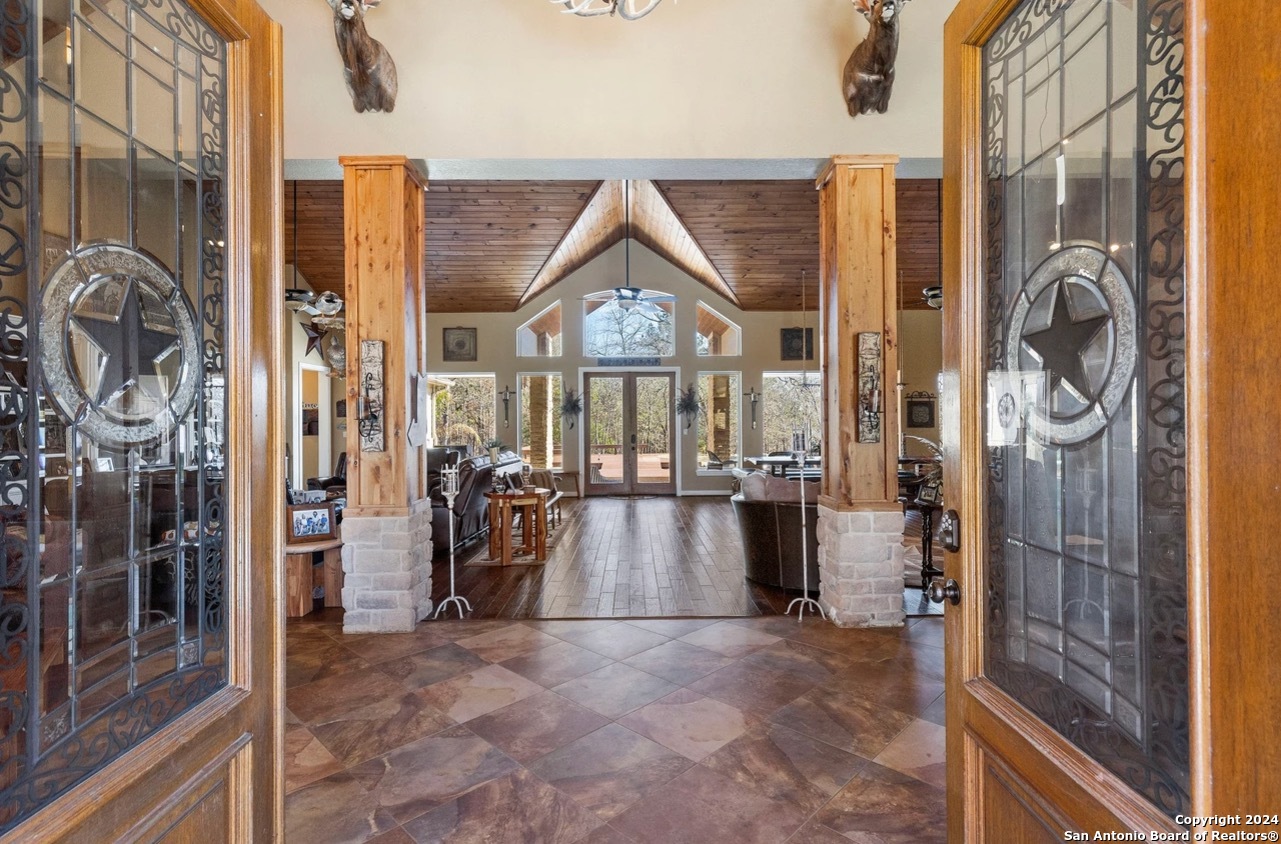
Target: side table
{"points": [[300, 579], [533, 524]]}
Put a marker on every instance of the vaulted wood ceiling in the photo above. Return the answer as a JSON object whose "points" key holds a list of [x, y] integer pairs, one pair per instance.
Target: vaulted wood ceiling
{"points": [[493, 245]]}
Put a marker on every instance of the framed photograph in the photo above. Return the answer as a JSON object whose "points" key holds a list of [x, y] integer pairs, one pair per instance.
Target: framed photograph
{"points": [[460, 345], [930, 494], [920, 413], [796, 344], [309, 523]]}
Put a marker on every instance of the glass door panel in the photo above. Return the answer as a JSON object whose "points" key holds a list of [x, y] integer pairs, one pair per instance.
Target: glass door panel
{"points": [[652, 432], [605, 438], [1086, 545]]}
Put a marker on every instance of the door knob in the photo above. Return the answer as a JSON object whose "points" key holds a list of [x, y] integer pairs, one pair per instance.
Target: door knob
{"points": [[950, 531], [949, 591]]}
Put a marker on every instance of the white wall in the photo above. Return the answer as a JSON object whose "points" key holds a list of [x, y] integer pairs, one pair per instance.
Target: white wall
{"points": [[496, 347], [920, 361], [295, 352], [494, 79]]}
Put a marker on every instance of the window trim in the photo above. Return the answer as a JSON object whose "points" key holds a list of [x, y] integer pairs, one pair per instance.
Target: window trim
{"points": [[559, 303]]}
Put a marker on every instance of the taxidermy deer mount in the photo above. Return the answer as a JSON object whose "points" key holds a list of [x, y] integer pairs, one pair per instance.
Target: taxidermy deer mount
{"points": [[869, 74], [368, 68]]}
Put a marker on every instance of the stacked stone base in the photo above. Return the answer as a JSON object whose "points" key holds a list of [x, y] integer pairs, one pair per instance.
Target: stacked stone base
{"points": [[860, 558], [386, 562]]}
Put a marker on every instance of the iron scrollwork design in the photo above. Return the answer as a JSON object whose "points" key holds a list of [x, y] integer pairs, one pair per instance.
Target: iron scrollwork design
{"points": [[48, 747], [1155, 762]]}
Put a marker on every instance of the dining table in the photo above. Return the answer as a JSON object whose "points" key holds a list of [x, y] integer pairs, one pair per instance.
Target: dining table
{"points": [[778, 464]]}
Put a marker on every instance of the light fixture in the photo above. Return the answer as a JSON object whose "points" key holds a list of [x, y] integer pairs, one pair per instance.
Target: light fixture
{"points": [[628, 10], [507, 395]]}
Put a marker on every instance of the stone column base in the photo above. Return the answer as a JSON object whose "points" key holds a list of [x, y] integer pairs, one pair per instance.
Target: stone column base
{"points": [[386, 561], [860, 562]]}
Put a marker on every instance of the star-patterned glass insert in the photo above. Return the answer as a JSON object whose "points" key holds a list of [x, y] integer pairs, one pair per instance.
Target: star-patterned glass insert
{"points": [[129, 357], [1071, 345]]}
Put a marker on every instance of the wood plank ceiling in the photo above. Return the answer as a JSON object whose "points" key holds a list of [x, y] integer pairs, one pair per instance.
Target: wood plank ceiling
{"points": [[493, 245]]}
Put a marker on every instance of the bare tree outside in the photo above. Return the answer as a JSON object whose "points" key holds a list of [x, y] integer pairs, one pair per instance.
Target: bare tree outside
{"points": [[611, 331], [465, 413], [790, 401]]}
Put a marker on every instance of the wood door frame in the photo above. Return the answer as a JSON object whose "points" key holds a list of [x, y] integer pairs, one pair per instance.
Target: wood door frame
{"points": [[981, 715], [235, 738], [630, 487]]}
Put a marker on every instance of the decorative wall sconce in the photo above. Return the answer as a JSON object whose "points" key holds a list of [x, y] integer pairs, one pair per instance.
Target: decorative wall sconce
{"points": [[754, 397], [507, 395], [869, 387], [369, 413]]}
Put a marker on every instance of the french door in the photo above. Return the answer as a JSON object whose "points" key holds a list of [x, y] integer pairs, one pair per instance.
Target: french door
{"points": [[140, 618], [630, 433]]}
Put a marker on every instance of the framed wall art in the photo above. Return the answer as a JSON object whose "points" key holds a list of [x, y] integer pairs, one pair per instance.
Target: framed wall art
{"points": [[460, 345], [796, 344]]}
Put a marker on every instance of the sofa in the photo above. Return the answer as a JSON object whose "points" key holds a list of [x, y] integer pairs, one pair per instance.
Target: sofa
{"points": [[768, 510], [471, 507]]}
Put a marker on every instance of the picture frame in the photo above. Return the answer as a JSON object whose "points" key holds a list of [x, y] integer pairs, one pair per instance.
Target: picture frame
{"points": [[796, 344], [309, 523], [920, 413], [460, 345], [930, 493]]}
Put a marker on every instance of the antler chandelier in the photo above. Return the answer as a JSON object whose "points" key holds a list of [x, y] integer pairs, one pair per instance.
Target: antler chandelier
{"points": [[629, 10]]}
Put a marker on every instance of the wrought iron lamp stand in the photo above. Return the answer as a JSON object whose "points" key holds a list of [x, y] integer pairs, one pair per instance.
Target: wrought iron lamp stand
{"points": [[449, 488], [805, 600]]}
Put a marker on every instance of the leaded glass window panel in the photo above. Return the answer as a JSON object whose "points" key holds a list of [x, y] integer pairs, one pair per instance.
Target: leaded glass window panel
{"points": [[1086, 545], [112, 235]]}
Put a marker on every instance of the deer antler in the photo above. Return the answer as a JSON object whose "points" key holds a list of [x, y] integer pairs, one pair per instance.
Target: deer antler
{"points": [[626, 9]]}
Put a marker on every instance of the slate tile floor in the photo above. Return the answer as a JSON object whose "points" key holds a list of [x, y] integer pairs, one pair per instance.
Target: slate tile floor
{"points": [[615, 732]]}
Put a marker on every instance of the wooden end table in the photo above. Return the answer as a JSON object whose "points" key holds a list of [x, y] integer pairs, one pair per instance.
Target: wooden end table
{"points": [[533, 506], [299, 581]]}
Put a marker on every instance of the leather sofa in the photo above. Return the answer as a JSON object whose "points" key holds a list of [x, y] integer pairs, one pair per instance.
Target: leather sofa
{"points": [[471, 507], [768, 511]]}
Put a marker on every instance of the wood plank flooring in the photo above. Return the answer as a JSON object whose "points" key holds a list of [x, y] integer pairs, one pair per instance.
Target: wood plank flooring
{"points": [[612, 558]]}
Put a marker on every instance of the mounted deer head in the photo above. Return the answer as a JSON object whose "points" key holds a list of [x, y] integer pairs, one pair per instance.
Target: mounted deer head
{"points": [[368, 68], [869, 74]]}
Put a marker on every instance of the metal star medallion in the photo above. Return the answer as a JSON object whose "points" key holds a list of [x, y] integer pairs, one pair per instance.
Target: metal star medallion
{"points": [[1061, 347], [314, 338], [130, 349]]}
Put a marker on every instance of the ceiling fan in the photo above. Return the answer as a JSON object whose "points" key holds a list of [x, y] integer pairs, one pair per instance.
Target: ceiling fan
{"points": [[643, 302]]}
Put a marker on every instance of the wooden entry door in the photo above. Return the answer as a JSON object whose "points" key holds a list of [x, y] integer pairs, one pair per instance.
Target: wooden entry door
{"points": [[142, 616], [1069, 693], [631, 433]]}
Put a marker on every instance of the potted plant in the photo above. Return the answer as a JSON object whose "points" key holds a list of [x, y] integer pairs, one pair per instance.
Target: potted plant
{"points": [[571, 406], [495, 445], [688, 404]]}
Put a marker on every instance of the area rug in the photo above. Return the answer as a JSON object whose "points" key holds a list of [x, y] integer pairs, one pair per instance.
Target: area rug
{"points": [[481, 559]]}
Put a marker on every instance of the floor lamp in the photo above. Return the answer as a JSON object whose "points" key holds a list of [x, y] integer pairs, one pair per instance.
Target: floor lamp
{"points": [[805, 600], [449, 489]]}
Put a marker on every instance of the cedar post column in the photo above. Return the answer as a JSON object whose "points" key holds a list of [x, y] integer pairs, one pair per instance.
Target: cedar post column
{"points": [[860, 526], [387, 524]]}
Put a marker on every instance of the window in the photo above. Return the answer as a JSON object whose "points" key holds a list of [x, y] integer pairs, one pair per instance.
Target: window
{"points": [[540, 337], [715, 335], [791, 400], [540, 421], [465, 410], [615, 328], [718, 429]]}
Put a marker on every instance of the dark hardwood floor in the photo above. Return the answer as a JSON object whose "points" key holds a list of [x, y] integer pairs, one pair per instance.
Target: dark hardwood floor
{"points": [[612, 558]]}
